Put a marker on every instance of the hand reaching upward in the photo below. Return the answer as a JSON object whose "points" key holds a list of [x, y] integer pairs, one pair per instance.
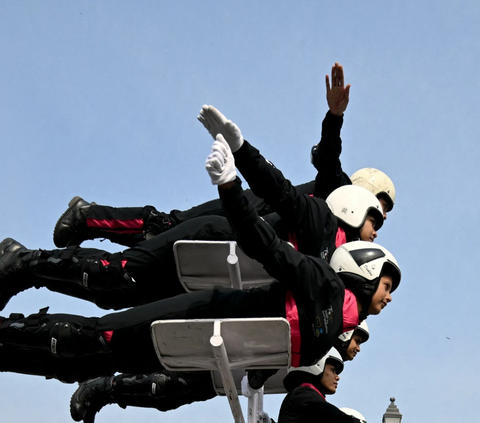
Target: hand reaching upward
{"points": [[220, 164], [216, 123], [337, 94]]}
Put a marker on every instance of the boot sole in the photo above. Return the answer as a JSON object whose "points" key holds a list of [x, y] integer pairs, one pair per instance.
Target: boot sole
{"points": [[71, 205]]}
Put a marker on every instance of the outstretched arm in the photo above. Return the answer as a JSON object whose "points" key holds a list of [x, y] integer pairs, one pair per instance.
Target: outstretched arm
{"points": [[265, 180], [315, 287], [326, 154], [256, 237]]}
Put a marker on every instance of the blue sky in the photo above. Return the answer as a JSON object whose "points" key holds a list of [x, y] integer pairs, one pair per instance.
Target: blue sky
{"points": [[100, 99]]}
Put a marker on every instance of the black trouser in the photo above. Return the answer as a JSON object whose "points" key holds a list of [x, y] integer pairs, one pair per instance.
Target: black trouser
{"points": [[131, 223], [40, 362], [79, 341], [150, 263]]}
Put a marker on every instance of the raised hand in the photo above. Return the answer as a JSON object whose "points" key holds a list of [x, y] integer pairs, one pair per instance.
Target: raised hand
{"points": [[220, 164], [216, 123], [337, 94]]}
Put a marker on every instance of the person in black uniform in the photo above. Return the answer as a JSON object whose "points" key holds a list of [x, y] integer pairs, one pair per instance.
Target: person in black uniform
{"points": [[348, 343], [91, 396], [147, 271], [161, 391], [307, 388], [319, 301], [130, 225]]}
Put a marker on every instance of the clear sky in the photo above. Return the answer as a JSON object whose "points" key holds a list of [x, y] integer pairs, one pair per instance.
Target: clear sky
{"points": [[100, 99]]}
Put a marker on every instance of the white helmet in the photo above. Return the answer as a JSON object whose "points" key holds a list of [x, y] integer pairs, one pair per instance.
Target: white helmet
{"points": [[353, 413], [365, 261], [294, 374], [360, 265], [362, 330], [377, 182], [351, 204], [344, 339]]}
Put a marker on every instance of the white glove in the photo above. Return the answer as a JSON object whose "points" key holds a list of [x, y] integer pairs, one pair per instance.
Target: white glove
{"points": [[220, 164], [265, 418], [247, 390], [216, 123]]}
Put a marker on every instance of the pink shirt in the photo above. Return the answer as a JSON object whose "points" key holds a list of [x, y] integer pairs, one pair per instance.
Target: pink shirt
{"points": [[350, 311], [341, 237]]}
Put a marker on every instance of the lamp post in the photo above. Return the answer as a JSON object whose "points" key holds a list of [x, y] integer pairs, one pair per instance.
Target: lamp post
{"points": [[392, 415]]}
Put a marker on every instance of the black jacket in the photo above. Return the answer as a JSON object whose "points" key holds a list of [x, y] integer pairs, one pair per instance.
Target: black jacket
{"points": [[305, 405], [318, 291], [326, 158], [310, 218]]}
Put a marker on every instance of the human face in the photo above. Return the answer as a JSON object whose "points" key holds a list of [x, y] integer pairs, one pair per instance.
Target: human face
{"points": [[330, 379], [353, 347], [382, 295], [367, 231], [384, 205]]}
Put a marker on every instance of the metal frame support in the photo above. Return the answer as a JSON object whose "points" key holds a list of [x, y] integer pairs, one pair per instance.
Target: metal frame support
{"points": [[221, 357]]}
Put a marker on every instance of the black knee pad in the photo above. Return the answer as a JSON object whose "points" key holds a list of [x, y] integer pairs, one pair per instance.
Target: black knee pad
{"points": [[101, 275], [70, 340]]}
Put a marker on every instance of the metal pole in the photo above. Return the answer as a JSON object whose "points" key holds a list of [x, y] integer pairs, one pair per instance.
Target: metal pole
{"points": [[221, 357]]}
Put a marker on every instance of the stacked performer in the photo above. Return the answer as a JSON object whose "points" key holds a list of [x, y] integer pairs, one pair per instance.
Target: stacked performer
{"points": [[298, 235]]}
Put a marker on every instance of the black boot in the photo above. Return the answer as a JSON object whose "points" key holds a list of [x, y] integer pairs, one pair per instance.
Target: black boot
{"points": [[39, 362], [63, 336], [21, 268], [100, 279], [68, 271], [71, 228], [90, 397], [258, 377], [124, 390], [15, 261]]}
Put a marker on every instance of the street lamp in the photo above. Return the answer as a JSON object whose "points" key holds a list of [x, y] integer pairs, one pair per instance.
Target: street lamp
{"points": [[392, 415]]}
